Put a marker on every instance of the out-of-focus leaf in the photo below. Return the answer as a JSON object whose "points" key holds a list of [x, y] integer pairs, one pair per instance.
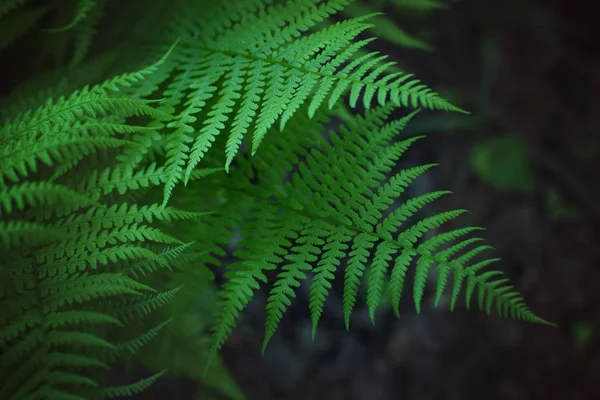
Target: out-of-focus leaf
{"points": [[504, 163]]}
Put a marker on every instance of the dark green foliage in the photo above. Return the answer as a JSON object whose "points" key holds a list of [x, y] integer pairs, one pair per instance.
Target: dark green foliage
{"points": [[98, 236], [331, 205]]}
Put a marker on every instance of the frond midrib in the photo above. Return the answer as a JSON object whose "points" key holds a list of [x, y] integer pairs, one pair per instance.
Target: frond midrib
{"points": [[425, 255], [338, 77], [68, 105]]}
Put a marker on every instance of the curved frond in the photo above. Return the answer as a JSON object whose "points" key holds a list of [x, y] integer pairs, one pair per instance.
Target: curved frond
{"points": [[264, 81], [340, 206]]}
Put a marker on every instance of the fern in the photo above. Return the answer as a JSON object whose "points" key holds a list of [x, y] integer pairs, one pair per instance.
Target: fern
{"points": [[385, 28], [83, 9], [95, 243], [329, 205], [131, 389], [267, 80], [73, 243]]}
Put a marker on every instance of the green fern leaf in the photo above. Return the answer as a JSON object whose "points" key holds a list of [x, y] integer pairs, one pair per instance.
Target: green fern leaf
{"points": [[131, 389], [335, 203], [268, 80], [133, 345]]}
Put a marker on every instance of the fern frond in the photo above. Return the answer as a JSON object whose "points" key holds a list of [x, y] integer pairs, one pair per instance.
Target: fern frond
{"points": [[80, 163], [62, 199], [149, 266], [384, 28], [131, 389], [144, 307], [84, 33], [133, 345], [268, 80], [73, 238], [335, 203], [236, 294], [20, 233], [76, 339], [78, 317], [82, 9], [85, 288], [121, 214]]}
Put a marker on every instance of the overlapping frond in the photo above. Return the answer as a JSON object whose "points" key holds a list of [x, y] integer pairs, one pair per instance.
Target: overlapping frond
{"points": [[83, 230], [76, 250], [244, 65], [339, 208]]}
